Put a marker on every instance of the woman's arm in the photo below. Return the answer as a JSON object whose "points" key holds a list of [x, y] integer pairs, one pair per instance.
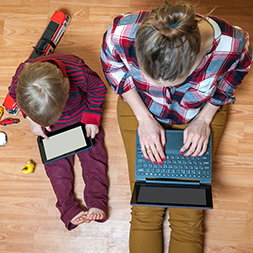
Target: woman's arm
{"points": [[233, 77], [151, 134], [116, 69], [196, 135]]}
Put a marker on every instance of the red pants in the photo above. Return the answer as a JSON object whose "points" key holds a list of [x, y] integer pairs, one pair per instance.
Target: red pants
{"points": [[94, 171]]}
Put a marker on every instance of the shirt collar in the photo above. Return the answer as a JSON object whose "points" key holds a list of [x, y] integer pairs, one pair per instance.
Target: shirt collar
{"points": [[59, 64]]}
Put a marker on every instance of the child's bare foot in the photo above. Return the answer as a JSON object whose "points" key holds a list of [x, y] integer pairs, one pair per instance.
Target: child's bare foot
{"points": [[79, 218], [94, 214]]}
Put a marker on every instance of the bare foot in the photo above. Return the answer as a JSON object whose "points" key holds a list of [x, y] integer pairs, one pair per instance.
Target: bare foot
{"points": [[79, 218], [94, 214]]}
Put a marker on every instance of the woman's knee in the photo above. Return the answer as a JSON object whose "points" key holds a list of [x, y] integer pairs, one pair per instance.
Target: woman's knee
{"points": [[147, 217], [187, 221]]}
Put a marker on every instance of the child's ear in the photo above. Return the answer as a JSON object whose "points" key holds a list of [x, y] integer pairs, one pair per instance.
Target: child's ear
{"points": [[26, 64]]}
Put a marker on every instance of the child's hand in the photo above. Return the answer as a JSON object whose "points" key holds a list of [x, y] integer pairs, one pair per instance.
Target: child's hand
{"points": [[91, 130], [37, 129]]}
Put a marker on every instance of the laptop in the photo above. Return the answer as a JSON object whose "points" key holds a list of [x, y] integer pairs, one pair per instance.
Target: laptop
{"points": [[181, 182]]}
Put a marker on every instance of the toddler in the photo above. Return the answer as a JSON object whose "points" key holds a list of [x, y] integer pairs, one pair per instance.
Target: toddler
{"points": [[56, 91]]}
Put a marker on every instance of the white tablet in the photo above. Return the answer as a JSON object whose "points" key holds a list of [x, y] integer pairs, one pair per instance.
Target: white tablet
{"points": [[63, 142]]}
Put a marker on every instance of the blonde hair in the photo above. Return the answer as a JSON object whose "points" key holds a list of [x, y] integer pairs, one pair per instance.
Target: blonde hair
{"points": [[168, 41], [42, 92]]}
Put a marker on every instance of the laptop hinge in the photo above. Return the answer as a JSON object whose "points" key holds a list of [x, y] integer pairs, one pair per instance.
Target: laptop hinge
{"points": [[171, 181]]}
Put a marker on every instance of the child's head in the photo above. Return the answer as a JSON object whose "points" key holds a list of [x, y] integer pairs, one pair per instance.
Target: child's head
{"points": [[42, 92], [168, 42]]}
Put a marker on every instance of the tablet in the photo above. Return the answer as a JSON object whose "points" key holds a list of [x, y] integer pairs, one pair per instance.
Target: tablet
{"points": [[63, 142]]}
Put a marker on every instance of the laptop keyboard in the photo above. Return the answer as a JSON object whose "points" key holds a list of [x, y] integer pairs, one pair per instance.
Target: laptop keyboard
{"points": [[175, 166]]}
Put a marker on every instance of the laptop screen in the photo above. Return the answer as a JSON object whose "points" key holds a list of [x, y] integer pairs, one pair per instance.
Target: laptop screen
{"points": [[171, 195]]}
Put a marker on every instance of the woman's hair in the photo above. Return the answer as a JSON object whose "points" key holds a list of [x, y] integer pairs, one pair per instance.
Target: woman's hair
{"points": [[168, 41], [42, 92]]}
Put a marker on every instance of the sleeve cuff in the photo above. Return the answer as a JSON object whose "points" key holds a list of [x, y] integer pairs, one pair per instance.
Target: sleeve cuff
{"points": [[91, 118], [218, 102]]}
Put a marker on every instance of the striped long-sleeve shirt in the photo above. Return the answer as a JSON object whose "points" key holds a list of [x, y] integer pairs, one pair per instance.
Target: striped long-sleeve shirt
{"points": [[86, 93], [219, 73]]}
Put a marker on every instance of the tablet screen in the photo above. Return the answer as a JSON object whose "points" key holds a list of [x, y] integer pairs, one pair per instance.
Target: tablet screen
{"points": [[64, 142]]}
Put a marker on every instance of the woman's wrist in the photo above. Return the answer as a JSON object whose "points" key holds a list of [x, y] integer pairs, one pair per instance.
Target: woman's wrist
{"points": [[139, 108], [144, 117], [207, 113]]}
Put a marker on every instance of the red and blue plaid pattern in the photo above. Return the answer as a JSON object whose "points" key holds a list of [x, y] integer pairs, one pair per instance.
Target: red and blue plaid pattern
{"points": [[214, 80]]}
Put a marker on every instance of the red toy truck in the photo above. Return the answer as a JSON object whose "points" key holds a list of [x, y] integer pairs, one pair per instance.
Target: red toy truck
{"points": [[50, 38], [52, 34]]}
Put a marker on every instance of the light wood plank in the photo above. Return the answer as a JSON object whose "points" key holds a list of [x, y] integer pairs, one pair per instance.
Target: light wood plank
{"points": [[29, 221]]}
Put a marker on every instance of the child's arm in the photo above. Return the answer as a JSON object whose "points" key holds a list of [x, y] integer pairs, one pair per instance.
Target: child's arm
{"points": [[37, 129], [95, 91]]}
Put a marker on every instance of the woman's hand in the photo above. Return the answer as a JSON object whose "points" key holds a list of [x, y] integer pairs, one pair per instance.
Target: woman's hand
{"points": [[151, 134], [196, 137], [152, 140], [197, 133], [37, 129], [91, 130]]}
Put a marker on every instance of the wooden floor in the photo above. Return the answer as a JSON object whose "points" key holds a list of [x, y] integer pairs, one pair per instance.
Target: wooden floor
{"points": [[29, 220]]}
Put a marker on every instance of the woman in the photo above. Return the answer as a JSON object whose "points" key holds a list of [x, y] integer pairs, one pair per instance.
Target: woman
{"points": [[175, 70]]}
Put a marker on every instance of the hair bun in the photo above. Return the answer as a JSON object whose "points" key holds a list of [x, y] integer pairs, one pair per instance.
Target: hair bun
{"points": [[173, 25]]}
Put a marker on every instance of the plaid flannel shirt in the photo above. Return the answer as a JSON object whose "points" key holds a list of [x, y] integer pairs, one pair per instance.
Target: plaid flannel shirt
{"points": [[219, 73]]}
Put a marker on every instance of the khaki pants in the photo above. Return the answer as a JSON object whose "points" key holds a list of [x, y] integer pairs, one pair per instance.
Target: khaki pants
{"points": [[146, 235]]}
